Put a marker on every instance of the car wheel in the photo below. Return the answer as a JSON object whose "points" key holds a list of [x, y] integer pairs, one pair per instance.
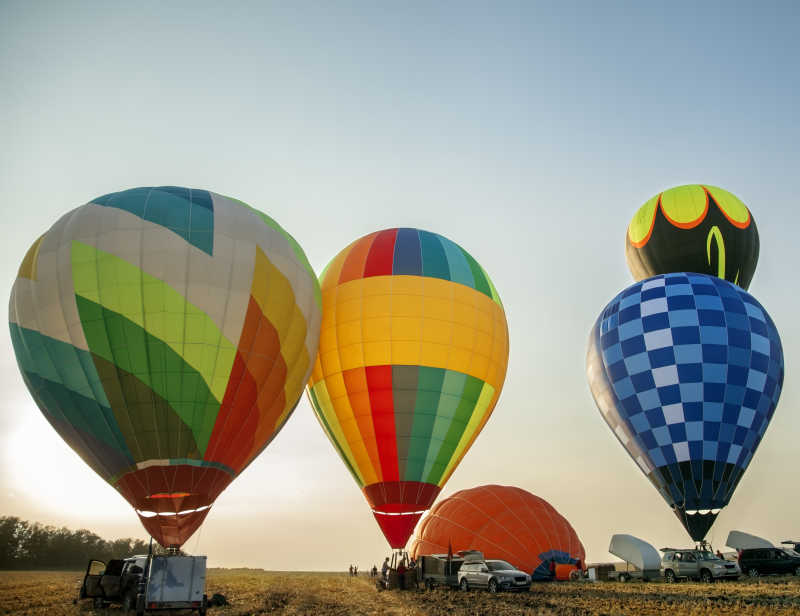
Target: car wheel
{"points": [[706, 577], [493, 585], [752, 572], [464, 585], [669, 576]]}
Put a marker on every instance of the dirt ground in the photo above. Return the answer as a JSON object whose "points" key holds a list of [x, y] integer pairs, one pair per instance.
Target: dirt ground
{"points": [[333, 594]]}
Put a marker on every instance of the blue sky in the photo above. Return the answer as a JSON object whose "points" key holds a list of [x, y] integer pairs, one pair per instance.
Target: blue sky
{"points": [[527, 132]]}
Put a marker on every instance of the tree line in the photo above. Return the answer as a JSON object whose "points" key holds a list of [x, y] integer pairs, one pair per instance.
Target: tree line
{"points": [[31, 545]]}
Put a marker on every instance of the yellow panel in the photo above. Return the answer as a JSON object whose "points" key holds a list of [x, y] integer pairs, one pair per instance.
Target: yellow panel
{"points": [[438, 308], [435, 355], [28, 267], [374, 306], [406, 328], [330, 362], [348, 310], [333, 271], [684, 205], [374, 285], [352, 356], [377, 354], [472, 321], [348, 333], [405, 353], [437, 331], [334, 383], [316, 373], [327, 408], [405, 305]]}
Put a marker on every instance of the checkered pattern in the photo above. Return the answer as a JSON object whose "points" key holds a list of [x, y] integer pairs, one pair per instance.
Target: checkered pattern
{"points": [[688, 368]]}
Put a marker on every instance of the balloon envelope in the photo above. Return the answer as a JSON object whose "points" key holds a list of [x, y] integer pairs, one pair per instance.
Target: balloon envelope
{"points": [[412, 358], [694, 228], [166, 334], [687, 370], [504, 523]]}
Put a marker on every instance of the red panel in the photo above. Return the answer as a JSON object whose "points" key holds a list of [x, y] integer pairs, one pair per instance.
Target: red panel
{"points": [[379, 381], [400, 496], [202, 484], [232, 436], [353, 266], [397, 528], [381, 254], [175, 530]]}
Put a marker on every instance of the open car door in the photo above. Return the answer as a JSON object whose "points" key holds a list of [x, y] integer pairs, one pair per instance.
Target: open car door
{"points": [[91, 581]]}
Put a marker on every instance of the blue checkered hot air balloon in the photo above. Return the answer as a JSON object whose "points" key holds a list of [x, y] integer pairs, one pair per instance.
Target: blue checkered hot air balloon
{"points": [[687, 370]]}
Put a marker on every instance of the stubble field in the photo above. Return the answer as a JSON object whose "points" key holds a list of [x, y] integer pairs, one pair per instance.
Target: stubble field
{"points": [[332, 594]]}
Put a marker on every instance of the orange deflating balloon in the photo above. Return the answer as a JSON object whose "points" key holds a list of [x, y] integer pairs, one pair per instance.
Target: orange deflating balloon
{"points": [[505, 523], [412, 358]]}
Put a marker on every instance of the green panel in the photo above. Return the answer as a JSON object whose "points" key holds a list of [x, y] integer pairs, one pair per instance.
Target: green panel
{"points": [[133, 350], [452, 391], [434, 259], [429, 392], [57, 361], [89, 428], [469, 398], [120, 287], [481, 280], [152, 429]]}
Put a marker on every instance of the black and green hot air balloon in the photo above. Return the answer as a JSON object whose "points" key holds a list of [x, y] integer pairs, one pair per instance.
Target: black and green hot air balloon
{"points": [[694, 228]]}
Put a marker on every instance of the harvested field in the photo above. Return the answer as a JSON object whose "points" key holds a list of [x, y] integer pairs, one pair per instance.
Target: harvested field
{"points": [[332, 594]]}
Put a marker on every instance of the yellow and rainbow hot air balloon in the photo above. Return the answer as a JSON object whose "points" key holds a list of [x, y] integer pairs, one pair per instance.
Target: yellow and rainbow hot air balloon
{"points": [[412, 358]]}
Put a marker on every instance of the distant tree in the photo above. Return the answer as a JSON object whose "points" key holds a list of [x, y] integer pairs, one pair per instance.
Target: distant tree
{"points": [[27, 545]]}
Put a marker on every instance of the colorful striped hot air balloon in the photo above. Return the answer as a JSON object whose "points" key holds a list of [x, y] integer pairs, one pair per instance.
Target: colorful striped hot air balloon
{"points": [[166, 334], [413, 354]]}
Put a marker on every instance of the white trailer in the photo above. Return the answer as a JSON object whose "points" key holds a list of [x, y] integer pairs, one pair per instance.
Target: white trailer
{"points": [[173, 583]]}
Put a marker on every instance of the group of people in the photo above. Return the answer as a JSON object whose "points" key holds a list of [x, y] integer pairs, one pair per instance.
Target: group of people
{"points": [[353, 570]]}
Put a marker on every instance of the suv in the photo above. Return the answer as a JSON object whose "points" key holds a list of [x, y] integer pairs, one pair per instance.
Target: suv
{"points": [[494, 575], [759, 561], [117, 582], [700, 565]]}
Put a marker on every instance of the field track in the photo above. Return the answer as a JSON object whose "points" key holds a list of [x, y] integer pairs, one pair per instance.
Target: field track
{"points": [[331, 594]]}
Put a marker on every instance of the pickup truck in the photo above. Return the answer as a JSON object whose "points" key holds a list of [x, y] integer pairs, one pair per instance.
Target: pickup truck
{"points": [[148, 583]]}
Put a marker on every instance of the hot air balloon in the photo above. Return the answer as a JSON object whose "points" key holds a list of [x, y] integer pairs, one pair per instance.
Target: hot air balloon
{"points": [[694, 228], [166, 334], [505, 523], [687, 369], [412, 358]]}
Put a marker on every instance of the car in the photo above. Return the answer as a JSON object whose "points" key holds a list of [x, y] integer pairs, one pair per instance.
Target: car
{"points": [[761, 561], [494, 575], [701, 565], [115, 582]]}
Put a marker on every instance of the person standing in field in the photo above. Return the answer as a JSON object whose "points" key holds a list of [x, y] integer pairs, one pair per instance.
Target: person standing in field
{"points": [[385, 569]]}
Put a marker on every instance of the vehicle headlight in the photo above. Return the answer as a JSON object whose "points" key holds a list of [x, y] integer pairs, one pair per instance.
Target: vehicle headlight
{"points": [[719, 566]]}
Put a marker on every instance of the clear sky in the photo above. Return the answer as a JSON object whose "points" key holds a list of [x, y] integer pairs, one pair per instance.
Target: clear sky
{"points": [[527, 132]]}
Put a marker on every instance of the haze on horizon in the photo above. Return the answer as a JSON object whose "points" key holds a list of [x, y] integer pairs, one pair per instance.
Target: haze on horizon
{"points": [[527, 132]]}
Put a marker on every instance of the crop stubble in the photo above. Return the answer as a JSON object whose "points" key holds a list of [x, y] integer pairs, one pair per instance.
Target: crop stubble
{"points": [[332, 594]]}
